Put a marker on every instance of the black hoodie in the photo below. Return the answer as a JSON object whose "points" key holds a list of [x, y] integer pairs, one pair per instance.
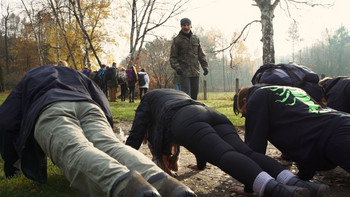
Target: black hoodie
{"points": [[337, 93], [293, 123], [153, 117]]}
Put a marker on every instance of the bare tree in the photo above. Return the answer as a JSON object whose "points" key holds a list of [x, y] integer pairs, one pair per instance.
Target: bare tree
{"points": [[56, 10], [6, 19], [2, 84], [267, 8], [156, 54], [146, 16], [294, 37], [36, 34], [78, 13], [92, 13]]}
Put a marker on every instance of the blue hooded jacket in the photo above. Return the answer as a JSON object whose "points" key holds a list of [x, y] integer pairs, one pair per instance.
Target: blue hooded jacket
{"points": [[18, 114]]}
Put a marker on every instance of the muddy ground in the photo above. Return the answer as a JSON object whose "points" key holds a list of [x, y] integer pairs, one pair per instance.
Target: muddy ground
{"points": [[214, 182]]}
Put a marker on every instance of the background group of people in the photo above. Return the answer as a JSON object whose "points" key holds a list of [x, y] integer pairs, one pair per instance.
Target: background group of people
{"points": [[110, 78]]}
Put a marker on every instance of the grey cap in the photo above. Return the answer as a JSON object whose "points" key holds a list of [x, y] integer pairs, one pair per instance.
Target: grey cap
{"points": [[185, 21]]}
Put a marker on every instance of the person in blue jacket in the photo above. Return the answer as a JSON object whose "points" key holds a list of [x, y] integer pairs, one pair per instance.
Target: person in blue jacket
{"points": [[168, 117], [59, 112], [316, 138]]}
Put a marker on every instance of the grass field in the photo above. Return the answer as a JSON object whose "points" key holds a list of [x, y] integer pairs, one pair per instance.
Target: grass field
{"points": [[57, 185]]}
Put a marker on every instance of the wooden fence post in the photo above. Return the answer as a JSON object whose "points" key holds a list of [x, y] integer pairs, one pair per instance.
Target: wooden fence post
{"points": [[205, 89], [237, 85]]}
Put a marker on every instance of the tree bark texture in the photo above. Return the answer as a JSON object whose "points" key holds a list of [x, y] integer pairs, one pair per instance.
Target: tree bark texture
{"points": [[267, 9]]}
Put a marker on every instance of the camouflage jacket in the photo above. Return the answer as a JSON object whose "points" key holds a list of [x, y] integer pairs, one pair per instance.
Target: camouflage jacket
{"points": [[186, 53]]}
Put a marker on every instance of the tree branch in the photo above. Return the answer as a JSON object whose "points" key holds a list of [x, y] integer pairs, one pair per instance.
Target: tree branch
{"points": [[311, 3], [239, 36]]}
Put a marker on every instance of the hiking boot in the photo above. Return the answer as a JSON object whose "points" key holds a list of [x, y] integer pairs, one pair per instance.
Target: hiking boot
{"points": [[316, 189], [170, 187], [134, 185], [276, 189]]}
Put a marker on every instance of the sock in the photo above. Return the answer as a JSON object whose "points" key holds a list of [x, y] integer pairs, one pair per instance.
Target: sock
{"points": [[260, 182], [284, 176]]}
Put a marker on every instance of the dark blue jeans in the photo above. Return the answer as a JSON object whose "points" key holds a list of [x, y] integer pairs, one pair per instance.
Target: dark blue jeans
{"points": [[190, 86]]}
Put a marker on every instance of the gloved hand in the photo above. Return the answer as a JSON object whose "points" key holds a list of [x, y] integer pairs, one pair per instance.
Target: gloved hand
{"points": [[206, 71], [179, 71]]}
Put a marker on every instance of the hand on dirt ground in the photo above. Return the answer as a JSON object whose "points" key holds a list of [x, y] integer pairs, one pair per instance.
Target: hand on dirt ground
{"points": [[193, 166], [240, 191], [278, 157], [174, 174]]}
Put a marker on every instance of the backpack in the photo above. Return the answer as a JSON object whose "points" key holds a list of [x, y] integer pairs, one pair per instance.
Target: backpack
{"points": [[122, 77], [129, 73], [94, 77], [111, 76], [141, 79], [101, 74], [290, 74]]}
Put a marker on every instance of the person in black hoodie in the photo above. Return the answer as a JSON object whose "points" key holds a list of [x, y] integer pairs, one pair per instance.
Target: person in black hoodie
{"points": [[316, 138], [167, 117], [337, 93], [59, 112]]}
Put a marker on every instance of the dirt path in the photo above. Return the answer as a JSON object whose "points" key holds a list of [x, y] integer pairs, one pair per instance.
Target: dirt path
{"points": [[214, 182]]}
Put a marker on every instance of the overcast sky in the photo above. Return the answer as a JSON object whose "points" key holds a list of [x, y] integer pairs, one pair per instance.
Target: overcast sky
{"points": [[229, 16], [232, 15]]}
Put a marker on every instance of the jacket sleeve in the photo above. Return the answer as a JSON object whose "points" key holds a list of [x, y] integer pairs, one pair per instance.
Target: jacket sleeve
{"points": [[140, 125], [147, 79], [201, 57], [10, 125], [174, 55], [257, 121]]}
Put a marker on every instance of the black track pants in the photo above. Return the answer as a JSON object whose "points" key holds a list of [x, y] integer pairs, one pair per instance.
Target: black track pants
{"points": [[212, 137]]}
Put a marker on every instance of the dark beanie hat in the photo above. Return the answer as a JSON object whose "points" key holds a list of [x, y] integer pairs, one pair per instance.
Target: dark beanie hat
{"points": [[185, 21]]}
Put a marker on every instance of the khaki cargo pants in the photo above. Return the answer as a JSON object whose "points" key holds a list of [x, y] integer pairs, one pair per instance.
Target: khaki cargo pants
{"points": [[79, 140]]}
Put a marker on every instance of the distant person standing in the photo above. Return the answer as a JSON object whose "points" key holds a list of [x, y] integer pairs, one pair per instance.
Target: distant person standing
{"points": [[185, 55], [132, 79], [100, 78], [123, 82], [143, 80], [111, 78], [86, 71]]}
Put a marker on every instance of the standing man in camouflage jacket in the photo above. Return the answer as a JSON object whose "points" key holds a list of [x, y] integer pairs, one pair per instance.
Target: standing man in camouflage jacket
{"points": [[185, 55]]}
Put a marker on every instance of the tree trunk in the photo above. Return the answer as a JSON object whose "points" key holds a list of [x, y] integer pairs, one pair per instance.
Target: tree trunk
{"points": [[36, 36], [142, 23], [267, 37], [87, 54], [2, 84], [267, 9], [82, 27], [6, 19], [56, 12], [58, 54]]}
